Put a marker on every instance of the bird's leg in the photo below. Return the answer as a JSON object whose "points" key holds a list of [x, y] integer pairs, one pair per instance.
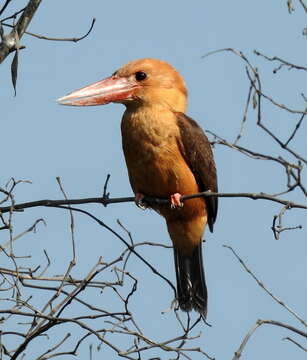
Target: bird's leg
{"points": [[175, 201], [138, 199]]}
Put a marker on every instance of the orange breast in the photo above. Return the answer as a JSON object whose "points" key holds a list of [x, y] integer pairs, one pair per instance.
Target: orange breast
{"points": [[155, 164], [157, 168]]}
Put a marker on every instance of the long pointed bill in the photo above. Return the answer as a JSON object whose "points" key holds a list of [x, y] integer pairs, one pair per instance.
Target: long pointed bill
{"points": [[111, 89]]}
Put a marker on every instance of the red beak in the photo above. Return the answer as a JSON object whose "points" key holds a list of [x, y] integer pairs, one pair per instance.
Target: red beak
{"points": [[111, 89]]}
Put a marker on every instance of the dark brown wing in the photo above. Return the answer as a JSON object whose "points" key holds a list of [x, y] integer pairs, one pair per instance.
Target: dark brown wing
{"points": [[196, 149]]}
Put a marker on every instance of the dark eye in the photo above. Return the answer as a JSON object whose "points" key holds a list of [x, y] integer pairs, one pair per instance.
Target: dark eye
{"points": [[140, 75]]}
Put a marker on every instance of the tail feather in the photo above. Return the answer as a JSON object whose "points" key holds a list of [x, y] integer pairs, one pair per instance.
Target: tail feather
{"points": [[191, 284]]}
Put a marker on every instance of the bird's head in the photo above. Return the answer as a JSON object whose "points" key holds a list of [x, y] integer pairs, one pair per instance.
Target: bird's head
{"points": [[143, 82]]}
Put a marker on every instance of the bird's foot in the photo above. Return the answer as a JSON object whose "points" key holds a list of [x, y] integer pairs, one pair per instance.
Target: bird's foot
{"points": [[175, 201], [138, 199]]}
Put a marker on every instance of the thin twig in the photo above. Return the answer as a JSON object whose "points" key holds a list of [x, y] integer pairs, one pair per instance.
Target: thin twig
{"points": [[8, 43], [258, 323], [260, 283], [283, 62], [4, 6], [150, 200], [72, 262], [70, 39], [295, 342]]}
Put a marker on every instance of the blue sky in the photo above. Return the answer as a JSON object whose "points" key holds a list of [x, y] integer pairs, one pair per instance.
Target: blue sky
{"points": [[41, 140]]}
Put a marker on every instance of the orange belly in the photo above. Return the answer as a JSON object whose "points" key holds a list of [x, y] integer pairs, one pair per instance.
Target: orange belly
{"points": [[157, 168]]}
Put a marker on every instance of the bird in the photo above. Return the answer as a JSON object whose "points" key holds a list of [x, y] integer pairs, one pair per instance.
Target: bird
{"points": [[167, 155]]}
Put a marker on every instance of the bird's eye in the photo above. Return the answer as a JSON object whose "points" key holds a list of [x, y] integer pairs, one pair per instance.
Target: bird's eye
{"points": [[140, 75]]}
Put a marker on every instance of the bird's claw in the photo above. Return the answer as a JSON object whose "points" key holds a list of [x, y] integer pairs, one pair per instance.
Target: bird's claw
{"points": [[139, 201], [175, 201]]}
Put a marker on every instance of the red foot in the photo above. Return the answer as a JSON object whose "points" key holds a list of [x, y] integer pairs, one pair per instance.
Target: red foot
{"points": [[175, 201], [138, 199]]}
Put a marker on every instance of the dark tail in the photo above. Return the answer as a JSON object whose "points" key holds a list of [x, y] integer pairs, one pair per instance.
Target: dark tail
{"points": [[191, 284]]}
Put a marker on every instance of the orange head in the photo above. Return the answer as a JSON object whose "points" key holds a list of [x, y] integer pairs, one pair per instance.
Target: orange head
{"points": [[143, 82]]}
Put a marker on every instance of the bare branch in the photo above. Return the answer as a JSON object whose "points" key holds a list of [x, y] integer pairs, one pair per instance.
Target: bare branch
{"points": [[260, 283], [72, 225], [296, 343], [258, 323], [4, 6], [70, 39], [8, 43], [281, 61], [277, 229], [30, 229], [125, 242], [303, 5], [150, 200], [254, 70], [244, 115]]}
